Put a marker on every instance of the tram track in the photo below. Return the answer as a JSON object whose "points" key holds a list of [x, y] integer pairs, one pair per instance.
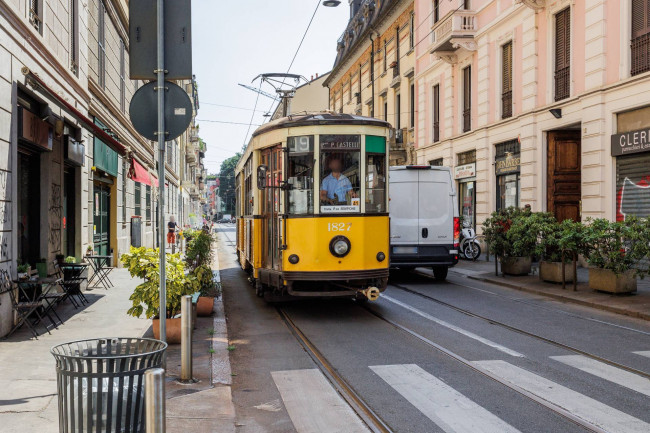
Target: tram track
{"points": [[522, 331]]}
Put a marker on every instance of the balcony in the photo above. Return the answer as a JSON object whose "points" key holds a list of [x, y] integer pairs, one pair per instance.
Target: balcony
{"points": [[456, 30], [191, 153], [194, 134]]}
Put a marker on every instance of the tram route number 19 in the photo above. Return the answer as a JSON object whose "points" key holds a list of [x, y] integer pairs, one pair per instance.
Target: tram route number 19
{"points": [[339, 227]]}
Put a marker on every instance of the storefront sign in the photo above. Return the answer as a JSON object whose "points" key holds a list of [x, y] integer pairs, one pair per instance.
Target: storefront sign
{"points": [[631, 142], [467, 170], [507, 164], [34, 130], [340, 142]]}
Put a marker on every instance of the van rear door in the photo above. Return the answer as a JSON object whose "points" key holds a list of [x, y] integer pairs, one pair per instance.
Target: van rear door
{"points": [[435, 208], [404, 207]]}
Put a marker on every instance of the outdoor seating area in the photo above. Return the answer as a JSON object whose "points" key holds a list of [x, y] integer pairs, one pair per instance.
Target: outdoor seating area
{"points": [[36, 299]]}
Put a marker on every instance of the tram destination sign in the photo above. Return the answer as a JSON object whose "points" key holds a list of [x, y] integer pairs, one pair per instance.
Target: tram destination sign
{"points": [[631, 142], [340, 142]]}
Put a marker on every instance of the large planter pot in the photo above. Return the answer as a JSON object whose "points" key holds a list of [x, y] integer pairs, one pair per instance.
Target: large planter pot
{"points": [[41, 267], [516, 265], [605, 280], [552, 272], [204, 306], [173, 330]]}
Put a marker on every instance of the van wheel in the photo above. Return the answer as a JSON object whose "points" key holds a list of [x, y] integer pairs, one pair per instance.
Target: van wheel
{"points": [[440, 273]]}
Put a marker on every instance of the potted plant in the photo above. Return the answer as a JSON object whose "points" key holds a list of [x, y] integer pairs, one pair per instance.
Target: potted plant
{"points": [[143, 263], [199, 250], [512, 236], [613, 250], [89, 250], [23, 271], [208, 290], [70, 260], [554, 253], [41, 267]]}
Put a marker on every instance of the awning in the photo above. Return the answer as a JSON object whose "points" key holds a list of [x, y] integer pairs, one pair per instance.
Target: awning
{"points": [[99, 132], [138, 173]]}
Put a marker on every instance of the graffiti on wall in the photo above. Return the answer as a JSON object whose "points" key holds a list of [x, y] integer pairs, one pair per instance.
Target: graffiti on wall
{"points": [[5, 251], [633, 199], [55, 211]]}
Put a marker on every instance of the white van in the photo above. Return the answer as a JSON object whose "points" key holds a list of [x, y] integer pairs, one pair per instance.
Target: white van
{"points": [[424, 223]]}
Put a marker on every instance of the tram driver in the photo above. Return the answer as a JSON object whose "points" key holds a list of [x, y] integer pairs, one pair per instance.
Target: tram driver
{"points": [[336, 186]]}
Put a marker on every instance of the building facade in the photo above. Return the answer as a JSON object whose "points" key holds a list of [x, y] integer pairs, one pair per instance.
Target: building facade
{"points": [[537, 102], [75, 176], [374, 70], [309, 97]]}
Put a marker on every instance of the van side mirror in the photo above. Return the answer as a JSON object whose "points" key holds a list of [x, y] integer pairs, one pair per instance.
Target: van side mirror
{"points": [[261, 176]]}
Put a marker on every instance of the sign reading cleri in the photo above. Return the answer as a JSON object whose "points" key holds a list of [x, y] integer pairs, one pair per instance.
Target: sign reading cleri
{"points": [[631, 142], [466, 170]]}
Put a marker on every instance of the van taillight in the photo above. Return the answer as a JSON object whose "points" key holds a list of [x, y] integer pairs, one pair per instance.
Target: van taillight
{"points": [[456, 232]]}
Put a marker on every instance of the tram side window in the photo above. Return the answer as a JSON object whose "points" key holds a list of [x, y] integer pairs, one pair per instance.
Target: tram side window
{"points": [[340, 183], [248, 187], [375, 174], [301, 175]]}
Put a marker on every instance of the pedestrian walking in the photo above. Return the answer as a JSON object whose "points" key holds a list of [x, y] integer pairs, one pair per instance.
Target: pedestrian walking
{"points": [[172, 226]]}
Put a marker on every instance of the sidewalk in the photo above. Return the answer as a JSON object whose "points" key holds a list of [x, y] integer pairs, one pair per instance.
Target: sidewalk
{"points": [[635, 305], [28, 400]]}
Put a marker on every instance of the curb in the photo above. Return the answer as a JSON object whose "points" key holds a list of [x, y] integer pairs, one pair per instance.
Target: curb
{"points": [[522, 288], [220, 360]]}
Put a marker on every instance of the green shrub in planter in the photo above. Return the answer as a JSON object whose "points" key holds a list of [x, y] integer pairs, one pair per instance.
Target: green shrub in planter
{"points": [[496, 228], [70, 259], [616, 246], [199, 250], [144, 263], [514, 232]]}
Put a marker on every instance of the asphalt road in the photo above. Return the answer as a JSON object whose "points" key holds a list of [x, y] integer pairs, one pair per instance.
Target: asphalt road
{"points": [[432, 357]]}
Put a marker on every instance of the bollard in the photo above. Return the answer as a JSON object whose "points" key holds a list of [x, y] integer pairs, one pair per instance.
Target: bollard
{"points": [[154, 400], [186, 339]]}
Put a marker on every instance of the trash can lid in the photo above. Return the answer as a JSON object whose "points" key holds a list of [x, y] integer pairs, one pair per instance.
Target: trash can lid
{"points": [[108, 348]]}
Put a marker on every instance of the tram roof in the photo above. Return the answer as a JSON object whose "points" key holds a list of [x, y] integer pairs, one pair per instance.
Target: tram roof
{"points": [[319, 118]]}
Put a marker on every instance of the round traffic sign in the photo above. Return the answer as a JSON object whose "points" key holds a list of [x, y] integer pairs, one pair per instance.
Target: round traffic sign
{"points": [[143, 111]]}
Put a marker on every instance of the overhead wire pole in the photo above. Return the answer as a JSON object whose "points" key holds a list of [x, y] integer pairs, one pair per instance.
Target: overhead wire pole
{"points": [[160, 71]]}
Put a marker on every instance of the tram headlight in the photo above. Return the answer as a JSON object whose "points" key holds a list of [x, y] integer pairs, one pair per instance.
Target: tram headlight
{"points": [[294, 259], [381, 256], [340, 246]]}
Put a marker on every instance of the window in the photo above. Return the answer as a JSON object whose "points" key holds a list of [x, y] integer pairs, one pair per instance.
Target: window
{"points": [[436, 113], [350, 90], [562, 54], [640, 39], [36, 15], [467, 99], [506, 80], [301, 175], [148, 202], [412, 100], [101, 44], [466, 4], [124, 190], [385, 55], [168, 152], [385, 109], [137, 199], [507, 168], [398, 111], [436, 162], [340, 183], [412, 33], [436, 11], [122, 76], [467, 157], [74, 36], [375, 174]]}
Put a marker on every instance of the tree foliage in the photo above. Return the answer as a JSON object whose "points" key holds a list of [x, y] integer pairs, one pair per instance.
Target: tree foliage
{"points": [[227, 182]]}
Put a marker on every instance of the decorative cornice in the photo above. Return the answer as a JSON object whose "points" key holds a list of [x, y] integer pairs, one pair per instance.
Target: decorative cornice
{"points": [[447, 56], [533, 4], [468, 44]]}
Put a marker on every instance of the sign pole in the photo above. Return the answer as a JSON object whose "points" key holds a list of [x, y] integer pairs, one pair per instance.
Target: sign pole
{"points": [[160, 72]]}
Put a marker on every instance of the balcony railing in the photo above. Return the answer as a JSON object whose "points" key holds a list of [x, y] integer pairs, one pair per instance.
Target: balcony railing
{"points": [[506, 104], [457, 25], [562, 83], [640, 54]]}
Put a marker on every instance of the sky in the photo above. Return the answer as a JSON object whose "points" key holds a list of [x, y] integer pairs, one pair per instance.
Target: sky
{"points": [[234, 41]]}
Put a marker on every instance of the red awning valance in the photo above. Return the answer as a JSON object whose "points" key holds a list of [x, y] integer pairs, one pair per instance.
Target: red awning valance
{"points": [[138, 173]]}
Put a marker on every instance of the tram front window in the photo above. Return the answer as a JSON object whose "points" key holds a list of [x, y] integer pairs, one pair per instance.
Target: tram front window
{"points": [[301, 175], [340, 186]]}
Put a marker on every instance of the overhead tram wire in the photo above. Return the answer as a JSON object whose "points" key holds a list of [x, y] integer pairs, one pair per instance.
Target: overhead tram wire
{"points": [[298, 49], [257, 98], [227, 122]]}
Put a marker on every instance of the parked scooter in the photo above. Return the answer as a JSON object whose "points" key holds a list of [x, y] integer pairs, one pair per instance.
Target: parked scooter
{"points": [[470, 248]]}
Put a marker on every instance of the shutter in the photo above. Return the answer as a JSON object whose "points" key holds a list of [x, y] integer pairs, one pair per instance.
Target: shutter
{"points": [[633, 186], [562, 39], [507, 68], [640, 17], [436, 113], [467, 88]]}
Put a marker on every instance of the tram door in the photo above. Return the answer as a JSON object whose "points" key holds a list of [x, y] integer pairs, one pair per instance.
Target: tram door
{"points": [[271, 233]]}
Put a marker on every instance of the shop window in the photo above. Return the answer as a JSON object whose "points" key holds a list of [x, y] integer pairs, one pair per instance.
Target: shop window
{"points": [[465, 174], [301, 175], [467, 99], [506, 80], [640, 38], [340, 184], [507, 169], [562, 54]]}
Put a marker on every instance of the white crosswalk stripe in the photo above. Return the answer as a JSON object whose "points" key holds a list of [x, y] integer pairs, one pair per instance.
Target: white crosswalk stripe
{"points": [[645, 353], [454, 327], [442, 404], [313, 404], [607, 372], [581, 406]]}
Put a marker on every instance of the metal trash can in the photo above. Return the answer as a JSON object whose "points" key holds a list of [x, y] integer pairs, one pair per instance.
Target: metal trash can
{"points": [[100, 383]]}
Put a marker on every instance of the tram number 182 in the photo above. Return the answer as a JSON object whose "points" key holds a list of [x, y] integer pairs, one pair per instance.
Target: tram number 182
{"points": [[339, 227]]}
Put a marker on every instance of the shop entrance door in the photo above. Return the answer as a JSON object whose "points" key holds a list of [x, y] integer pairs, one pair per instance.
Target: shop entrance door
{"points": [[69, 222], [29, 202], [564, 190], [101, 218]]}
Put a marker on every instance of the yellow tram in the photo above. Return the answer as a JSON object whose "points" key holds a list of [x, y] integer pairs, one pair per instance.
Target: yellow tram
{"points": [[312, 207]]}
